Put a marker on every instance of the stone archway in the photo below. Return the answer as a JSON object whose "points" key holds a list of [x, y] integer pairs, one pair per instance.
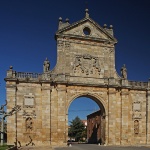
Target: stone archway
{"points": [[85, 67], [100, 102]]}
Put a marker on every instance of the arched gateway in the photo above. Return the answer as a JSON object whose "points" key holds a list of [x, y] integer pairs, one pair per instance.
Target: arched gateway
{"points": [[101, 114], [85, 67]]}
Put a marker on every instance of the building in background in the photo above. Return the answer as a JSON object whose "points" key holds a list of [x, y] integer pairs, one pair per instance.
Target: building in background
{"points": [[85, 123], [94, 127]]}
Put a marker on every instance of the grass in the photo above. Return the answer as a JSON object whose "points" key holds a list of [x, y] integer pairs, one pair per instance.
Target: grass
{"points": [[4, 147]]}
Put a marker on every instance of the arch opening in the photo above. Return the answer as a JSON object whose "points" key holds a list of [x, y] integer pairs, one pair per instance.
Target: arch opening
{"points": [[91, 112]]}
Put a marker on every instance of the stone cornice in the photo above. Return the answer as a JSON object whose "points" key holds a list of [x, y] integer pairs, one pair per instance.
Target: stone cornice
{"points": [[124, 92], [64, 80], [61, 89], [86, 38], [112, 92], [46, 88], [102, 44], [10, 79], [11, 86]]}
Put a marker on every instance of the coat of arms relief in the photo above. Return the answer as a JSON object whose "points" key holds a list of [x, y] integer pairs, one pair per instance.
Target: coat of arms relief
{"points": [[86, 64]]}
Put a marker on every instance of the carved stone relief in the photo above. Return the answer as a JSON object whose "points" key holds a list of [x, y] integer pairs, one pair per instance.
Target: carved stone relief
{"points": [[60, 43], [77, 32], [136, 110], [137, 115], [94, 34], [67, 44], [136, 127], [29, 114], [29, 101], [86, 64], [29, 124], [137, 106], [46, 76]]}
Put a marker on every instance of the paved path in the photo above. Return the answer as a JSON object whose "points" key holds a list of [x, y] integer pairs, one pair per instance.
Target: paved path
{"points": [[86, 147], [96, 147]]}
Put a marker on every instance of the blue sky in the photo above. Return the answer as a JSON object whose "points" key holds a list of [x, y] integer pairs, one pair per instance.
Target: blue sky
{"points": [[27, 29]]}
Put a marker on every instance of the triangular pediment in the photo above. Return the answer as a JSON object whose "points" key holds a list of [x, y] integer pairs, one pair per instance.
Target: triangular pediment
{"points": [[94, 31]]}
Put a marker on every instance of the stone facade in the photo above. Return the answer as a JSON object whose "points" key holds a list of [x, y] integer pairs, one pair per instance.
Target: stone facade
{"points": [[85, 67]]}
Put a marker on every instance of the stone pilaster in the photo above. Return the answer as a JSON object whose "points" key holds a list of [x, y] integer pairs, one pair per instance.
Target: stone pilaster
{"points": [[118, 118], [61, 55], [111, 116], [125, 116], [46, 111], [111, 61], [148, 117], [11, 120], [62, 114], [54, 114]]}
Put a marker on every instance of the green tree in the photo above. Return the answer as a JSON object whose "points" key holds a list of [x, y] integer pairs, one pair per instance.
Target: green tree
{"points": [[76, 129]]}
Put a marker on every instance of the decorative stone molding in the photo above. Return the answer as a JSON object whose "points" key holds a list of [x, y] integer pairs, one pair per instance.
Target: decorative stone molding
{"points": [[11, 86], [60, 43], [86, 64], [11, 73], [46, 88], [111, 50], [112, 92], [29, 114], [76, 32], [137, 116], [53, 77], [61, 89], [46, 76], [112, 81], [29, 101], [67, 44], [136, 106], [124, 92]]}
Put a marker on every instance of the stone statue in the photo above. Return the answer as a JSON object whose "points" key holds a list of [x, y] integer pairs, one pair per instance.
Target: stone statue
{"points": [[124, 72], [46, 66], [29, 124], [136, 127]]}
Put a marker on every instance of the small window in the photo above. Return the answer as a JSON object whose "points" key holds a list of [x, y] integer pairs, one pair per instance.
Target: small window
{"points": [[86, 31]]}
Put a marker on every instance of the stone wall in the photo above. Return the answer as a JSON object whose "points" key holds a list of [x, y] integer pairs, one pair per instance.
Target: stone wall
{"points": [[43, 117]]}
